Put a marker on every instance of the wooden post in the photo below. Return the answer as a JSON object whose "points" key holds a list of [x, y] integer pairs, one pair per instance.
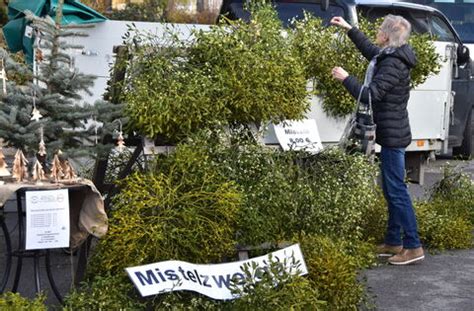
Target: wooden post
{"points": [[59, 12]]}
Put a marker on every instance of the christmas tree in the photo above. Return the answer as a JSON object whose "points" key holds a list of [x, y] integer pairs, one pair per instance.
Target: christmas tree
{"points": [[16, 106], [52, 100]]}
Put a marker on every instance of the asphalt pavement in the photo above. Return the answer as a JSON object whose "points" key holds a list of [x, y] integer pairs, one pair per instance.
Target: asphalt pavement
{"points": [[443, 281]]}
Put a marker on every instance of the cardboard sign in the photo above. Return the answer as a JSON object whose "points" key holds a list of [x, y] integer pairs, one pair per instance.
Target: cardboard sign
{"points": [[211, 280], [299, 135], [47, 219]]}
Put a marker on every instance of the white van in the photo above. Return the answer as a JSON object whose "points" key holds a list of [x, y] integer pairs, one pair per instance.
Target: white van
{"points": [[461, 131]]}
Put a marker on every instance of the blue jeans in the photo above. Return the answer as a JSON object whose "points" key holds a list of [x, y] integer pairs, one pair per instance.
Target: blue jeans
{"points": [[400, 209]]}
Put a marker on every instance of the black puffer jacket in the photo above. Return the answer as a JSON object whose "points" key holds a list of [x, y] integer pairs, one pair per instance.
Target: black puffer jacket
{"points": [[390, 90]]}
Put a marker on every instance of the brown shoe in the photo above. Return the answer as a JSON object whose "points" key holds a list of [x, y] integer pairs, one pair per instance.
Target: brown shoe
{"points": [[385, 250], [407, 256]]}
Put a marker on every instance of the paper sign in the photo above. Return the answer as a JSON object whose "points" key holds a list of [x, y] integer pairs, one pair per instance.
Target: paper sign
{"points": [[28, 31], [299, 135], [47, 219], [210, 280]]}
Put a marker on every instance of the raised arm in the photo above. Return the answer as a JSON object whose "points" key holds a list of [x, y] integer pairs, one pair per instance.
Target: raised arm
{"points": [[363, 44]]}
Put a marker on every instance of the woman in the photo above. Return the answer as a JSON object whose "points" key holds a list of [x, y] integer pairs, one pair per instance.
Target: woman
{"points": [[388, 81]]}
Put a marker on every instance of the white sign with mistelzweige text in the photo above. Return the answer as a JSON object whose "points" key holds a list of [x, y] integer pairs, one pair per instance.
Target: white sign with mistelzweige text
{"points": [[211, 280]]}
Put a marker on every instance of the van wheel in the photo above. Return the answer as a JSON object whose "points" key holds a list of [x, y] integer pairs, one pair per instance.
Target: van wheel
{"points": [[466, 150]]}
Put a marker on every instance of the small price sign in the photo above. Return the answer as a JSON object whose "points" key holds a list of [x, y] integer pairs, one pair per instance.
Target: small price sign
{"points": [[299, 135]]}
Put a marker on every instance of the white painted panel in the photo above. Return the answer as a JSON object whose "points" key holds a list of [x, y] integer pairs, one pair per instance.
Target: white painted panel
{"points": [[441, 81], [97, 55], [426, 111]]}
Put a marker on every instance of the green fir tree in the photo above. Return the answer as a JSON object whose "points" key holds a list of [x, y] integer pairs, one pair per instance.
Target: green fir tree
{"points": [[63, 115]]}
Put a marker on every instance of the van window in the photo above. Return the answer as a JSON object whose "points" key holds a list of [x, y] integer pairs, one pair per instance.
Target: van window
{"points": [[441, 30], [287, 10], [419, 19], [459, 12]]}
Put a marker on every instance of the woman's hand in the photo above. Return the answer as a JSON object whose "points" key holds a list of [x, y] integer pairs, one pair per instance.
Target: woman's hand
{"points": [[339, 73], [340, 22]]}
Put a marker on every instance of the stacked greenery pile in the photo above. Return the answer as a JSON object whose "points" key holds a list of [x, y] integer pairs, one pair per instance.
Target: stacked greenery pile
{"points": [[221, 189], [158, 214], [245, 73]]}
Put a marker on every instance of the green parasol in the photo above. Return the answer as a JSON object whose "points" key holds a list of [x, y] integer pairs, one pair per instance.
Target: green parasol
{"points": [[17, 39]]}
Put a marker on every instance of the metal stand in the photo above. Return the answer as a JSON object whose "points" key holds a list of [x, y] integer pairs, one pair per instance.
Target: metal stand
{"points": [[82, 261], [8, 264], [101, 167]]}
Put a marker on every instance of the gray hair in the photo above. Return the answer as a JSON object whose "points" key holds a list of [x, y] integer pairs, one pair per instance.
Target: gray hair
{"points": [[397, 30]]}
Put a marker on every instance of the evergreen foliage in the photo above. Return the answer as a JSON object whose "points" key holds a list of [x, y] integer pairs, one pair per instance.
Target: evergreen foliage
{"points": [[321, 48], [276, 289], [329, 203], [374, 222], [243, 73], [109, 292], [457, 188], [219, 189], [446, 221], [328, 193], [16, 107], [170, 218], [440, 228], [14, 302], [333, 267], [259, 79], [147, 11], [56, 95]]}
